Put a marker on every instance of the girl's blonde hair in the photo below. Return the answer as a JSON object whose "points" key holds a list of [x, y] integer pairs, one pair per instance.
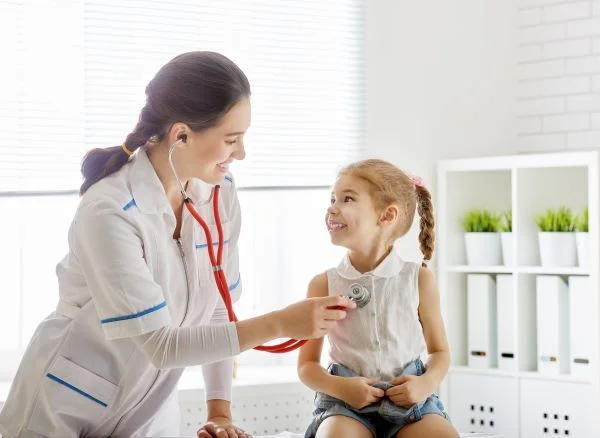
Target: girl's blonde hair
{"points": [[390, 185]]}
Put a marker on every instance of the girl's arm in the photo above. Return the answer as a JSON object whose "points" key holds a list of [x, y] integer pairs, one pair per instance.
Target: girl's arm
{"points": [[433, 329], [356, 391], [409, 389]]}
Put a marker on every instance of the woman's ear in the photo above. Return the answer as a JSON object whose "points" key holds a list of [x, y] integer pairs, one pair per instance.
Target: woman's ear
{"points": [[179, 131]]}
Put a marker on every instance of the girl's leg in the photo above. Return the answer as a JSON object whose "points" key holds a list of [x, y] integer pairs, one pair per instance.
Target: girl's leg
{"points": [[342, 426], [431, 425]]}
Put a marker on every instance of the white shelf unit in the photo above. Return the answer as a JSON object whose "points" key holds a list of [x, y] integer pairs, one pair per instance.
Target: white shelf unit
{"points": [[522, 403]]}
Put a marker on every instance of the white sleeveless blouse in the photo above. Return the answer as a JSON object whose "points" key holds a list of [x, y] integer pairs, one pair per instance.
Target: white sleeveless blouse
{"points": [[381, 338]]}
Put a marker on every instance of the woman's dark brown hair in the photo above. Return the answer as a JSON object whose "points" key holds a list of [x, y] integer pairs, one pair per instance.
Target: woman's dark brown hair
{"points": [[196, 88]]}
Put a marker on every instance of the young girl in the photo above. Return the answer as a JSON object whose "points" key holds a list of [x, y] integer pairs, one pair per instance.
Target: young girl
{"points": [[376, 384]]}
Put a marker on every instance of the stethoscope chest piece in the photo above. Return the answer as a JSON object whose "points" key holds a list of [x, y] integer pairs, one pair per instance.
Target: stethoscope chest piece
{"points": [[359, 293]]}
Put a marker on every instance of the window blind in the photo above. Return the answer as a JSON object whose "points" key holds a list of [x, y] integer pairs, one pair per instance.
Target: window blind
{"points": [[74, 71]]}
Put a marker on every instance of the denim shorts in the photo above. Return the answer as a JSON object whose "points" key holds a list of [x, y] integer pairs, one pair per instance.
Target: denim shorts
{"points": [[383, 418]]}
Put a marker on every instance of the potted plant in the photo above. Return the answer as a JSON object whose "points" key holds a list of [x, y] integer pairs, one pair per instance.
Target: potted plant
{"points": [[482, 240], [582, 239], [557, 238], [506, 238]]}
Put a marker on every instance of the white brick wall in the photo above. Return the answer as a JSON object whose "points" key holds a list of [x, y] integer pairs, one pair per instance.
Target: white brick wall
{"points": [[567, 48], [558, 56]]}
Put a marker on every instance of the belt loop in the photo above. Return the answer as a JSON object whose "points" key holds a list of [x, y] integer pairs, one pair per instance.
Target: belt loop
{"points": [[420, 367], [416, 413]]}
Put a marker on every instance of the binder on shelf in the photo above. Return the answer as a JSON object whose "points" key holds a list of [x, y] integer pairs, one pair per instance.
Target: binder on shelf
{"points": [[507, 323], [481, 315], [552, 305], [581, 313]]}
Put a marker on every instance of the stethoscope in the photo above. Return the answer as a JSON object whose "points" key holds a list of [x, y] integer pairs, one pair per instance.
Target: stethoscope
{"points": [[219, 274], [356, 291], [359, 293]]}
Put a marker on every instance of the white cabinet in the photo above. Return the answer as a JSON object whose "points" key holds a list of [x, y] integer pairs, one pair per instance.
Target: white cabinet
{"points": [[492, 411], [556, 409], [562, 325]]}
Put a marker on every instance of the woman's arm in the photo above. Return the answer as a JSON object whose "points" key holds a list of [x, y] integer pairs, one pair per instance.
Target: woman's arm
{"points": [[433, 329], [310, 371], [306, 319], [218, 376], [176, 347]]}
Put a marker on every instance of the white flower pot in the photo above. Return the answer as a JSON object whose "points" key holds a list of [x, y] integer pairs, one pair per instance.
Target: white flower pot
{"points": [[583, 249], [483, 249], [557, 249], [507, 241]]}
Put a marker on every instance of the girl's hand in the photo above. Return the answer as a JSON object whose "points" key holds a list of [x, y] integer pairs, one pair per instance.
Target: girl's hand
{"points": [[221, 427], [408, 390], [358, 392], [313, 317]]}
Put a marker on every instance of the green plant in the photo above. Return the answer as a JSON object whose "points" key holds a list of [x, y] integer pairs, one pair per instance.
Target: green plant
{"points": [[506, 222], [561, 220], [480, 221], [581, 222]]}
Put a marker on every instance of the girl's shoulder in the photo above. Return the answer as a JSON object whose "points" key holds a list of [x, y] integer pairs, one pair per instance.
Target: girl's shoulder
{"points": [[318, 286]]}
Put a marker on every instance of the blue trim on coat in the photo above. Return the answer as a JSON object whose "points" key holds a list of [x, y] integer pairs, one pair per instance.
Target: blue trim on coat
{"points": [[135, 315], [129, 205], [77, 390], [236, 284], [204, 245]]}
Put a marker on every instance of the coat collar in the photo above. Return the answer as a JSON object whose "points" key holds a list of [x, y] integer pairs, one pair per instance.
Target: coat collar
{"points": [[149, 193], [147, 190]]}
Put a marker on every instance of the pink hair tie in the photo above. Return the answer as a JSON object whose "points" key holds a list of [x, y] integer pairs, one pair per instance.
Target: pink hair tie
{"points": [[416, 180]]}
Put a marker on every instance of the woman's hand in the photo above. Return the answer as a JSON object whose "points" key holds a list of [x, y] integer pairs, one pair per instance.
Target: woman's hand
{"points": [[358, 392], [408, 390], [221, 427], [313, 317]]}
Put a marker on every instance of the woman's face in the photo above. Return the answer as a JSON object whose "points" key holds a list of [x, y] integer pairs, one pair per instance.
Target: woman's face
{"points": [[208, 154]]}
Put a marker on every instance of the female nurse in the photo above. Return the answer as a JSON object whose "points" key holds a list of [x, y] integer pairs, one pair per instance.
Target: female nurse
{"points": [[138, 297]]}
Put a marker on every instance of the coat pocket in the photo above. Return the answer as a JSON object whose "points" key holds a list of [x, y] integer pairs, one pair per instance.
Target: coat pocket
{"points": [[71, 400]]}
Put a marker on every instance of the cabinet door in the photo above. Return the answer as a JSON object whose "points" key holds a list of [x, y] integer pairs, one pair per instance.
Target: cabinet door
{"points": [[483, 403], [557, 409]]}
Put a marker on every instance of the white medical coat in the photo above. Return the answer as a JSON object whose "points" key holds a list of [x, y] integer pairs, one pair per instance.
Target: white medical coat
{"points": [[124, 276]]}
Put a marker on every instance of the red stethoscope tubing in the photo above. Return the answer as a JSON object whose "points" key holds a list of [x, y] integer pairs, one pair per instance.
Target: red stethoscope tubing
{"points": [[219, 274]]}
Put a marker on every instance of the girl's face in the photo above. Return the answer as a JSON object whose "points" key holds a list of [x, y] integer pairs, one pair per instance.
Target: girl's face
{"points": [[209, 153], [351, 219]]}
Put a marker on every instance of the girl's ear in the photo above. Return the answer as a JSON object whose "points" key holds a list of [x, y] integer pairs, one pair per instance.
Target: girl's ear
{"points": [[389, 215]]}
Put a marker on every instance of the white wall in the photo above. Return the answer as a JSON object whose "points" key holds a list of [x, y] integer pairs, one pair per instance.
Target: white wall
{"points": [[558, 102], [441, 81]]}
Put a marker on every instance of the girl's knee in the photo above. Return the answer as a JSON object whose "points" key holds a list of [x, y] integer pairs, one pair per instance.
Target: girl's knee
{"points": [[342, 426], [431, 425]]}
